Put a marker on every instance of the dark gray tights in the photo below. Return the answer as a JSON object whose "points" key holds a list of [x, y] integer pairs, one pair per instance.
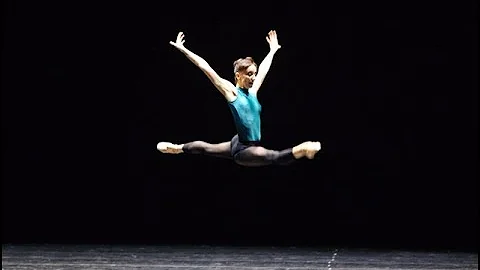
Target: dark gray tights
{"points": [[246, 155]]}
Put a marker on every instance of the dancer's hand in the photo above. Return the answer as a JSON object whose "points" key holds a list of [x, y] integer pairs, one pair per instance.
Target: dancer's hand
{"points": [[179, 42], [273, 41]]}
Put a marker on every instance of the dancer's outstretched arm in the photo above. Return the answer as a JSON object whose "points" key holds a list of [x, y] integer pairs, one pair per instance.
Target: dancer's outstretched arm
{"points": [[267, 61], [224, 86]]}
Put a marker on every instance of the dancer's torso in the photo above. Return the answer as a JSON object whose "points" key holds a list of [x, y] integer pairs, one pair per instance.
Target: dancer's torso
{"points": [[246, 111]]}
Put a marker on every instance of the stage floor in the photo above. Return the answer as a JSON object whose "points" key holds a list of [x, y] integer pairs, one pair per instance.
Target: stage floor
{"points": [[212, 257]]}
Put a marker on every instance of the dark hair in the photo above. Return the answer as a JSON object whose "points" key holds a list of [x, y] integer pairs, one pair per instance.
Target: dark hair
{"points": [[242, 64]]}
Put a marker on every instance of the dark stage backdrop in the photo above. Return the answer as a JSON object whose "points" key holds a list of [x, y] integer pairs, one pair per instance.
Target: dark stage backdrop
{"points": [[389, 89]]}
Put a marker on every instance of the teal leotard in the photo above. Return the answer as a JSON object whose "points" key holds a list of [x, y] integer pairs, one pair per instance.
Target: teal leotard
{"points": [[246, 114]]}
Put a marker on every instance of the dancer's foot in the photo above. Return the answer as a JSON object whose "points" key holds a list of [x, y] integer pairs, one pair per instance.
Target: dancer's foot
{"points": [[169, 148], [306, 149], [315, 147]]}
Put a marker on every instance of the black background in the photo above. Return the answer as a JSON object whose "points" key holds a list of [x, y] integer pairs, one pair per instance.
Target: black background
{"points": [[388, 88]]}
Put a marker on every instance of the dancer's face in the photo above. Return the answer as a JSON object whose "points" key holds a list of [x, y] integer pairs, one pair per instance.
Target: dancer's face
{"points": [[246, 78]]}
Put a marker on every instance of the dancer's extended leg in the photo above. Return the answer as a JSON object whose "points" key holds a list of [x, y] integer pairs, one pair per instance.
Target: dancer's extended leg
{"points": [[221, 150], [255, 156]]}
